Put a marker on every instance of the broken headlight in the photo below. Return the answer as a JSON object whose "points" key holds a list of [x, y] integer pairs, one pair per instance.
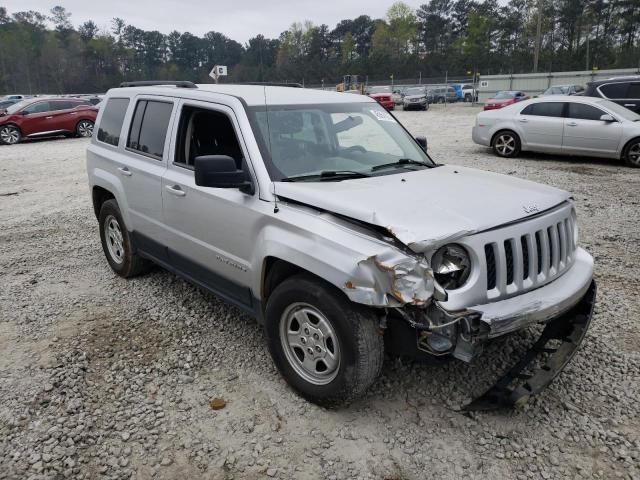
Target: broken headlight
{"points": [[451, 266]]}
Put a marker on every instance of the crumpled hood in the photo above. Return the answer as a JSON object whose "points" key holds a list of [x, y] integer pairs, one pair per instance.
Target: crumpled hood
{"points": [[426, 208]]}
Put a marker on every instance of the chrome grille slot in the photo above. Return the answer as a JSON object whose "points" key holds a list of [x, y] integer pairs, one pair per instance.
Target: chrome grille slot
{"points": [[527, 260]]}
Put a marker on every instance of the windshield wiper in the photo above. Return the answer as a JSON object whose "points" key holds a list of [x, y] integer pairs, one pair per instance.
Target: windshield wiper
{"points": [[400, 163], [328, 175]]}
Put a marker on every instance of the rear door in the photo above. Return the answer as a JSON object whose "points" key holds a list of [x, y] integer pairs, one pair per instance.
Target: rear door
{"points": [[585, 134], [142, 168], [62, 117], [542, 124], [632, 97]]}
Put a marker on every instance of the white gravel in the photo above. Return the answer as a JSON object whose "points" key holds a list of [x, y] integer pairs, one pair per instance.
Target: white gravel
{"points": [[106, 378]]}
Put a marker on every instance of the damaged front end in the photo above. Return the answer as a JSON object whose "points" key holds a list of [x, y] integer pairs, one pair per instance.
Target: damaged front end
{"points": [[402, 285]]}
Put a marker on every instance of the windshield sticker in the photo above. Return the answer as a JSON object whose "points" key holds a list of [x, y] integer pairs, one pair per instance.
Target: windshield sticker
{"points": [[382, 115]]}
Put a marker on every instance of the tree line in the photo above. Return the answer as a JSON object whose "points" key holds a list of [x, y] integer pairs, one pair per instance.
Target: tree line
{"points": [[46, 52]]}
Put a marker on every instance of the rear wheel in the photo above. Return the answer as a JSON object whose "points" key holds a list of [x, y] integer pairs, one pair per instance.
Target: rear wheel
{"points": [[632, 153], [328, 349], [10, 134], [117, 244], [84, 128], [506, 144]]}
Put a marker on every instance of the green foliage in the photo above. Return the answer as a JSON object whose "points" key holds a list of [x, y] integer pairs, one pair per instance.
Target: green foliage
{"points": [[45, 53]]}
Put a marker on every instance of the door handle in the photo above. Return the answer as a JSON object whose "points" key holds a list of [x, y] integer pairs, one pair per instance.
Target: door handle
{"points": [[629, 104], [49, 117], [572, 124], [125, 171], [523, 120], [175, 190], [74, 113]]}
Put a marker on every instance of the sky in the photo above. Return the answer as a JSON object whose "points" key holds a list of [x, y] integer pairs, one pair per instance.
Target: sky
{"points": [[238, 20]]}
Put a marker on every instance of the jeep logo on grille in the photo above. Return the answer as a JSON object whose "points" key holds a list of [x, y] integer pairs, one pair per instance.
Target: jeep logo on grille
{"points": [[530, 208]]}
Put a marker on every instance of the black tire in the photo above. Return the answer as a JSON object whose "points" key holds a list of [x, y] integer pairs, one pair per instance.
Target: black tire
{"points": [[127, 264], [84, 128], [631, 153], [10, 135], [506, 144], [359, 344]]}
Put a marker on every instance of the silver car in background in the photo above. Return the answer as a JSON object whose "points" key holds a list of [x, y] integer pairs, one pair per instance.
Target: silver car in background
{"points": [[583, 126]]}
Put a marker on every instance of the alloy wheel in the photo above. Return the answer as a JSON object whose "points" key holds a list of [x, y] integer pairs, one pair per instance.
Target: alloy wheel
{"points": [[115, 241], [310, 343], [85, 128], [9, 135], [505, 144], [633, 154]]}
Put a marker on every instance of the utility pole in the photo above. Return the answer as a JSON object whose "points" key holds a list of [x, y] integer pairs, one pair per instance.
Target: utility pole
{"points": [[587, 59], [536, 51]]}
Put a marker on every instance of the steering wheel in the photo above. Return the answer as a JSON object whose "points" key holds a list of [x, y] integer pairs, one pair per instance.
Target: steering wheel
{"points": [[356, 148]]}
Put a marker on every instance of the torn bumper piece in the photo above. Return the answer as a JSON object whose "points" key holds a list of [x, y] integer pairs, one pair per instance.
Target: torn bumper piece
{"points": [[526, 379], [391, 279]]}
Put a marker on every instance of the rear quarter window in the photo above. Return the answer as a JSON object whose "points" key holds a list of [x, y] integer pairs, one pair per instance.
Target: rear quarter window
{"points": [[112, 119]]}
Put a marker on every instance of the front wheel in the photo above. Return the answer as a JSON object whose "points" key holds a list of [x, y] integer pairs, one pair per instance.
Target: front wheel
{"points": [[328, 349], [10, 134], [84, 128], [506, 144], [632, 154]]}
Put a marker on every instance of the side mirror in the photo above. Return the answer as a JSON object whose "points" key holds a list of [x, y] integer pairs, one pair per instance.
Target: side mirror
{"points": [[607, 118], [220, 171], [423, 142]]}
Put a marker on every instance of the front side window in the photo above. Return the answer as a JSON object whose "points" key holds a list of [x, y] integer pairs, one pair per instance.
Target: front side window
{"points": [[634, 91], [504, 95], [149, 127], [38, 107], [544, 109], [307, 140], [112, 119], [584, 112], [205, 132]]}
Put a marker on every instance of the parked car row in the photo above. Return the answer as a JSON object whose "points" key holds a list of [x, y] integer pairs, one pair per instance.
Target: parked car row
{"points": [[46, 117]]}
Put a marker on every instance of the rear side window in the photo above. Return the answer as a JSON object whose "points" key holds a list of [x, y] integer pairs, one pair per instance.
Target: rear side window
{"points": [[111, 122], [544, 109], [149, 127], [584, 112], [614, 90]]}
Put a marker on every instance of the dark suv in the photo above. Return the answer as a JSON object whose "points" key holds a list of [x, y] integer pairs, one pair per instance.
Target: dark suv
{"points": [[622, 90], [42, 117]]}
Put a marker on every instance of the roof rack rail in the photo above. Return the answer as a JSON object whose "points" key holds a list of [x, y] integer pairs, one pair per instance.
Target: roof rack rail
{"points": [[274, 84], [151, 83]]}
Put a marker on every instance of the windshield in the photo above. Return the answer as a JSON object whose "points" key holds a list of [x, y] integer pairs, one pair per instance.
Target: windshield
{"points": [[619, 110], [308, 140], [559, 90], [380, 90], [17, 106], [415, 91], [504, 95]]}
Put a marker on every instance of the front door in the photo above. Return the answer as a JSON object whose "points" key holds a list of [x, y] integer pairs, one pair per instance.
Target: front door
{"points": [[211, 231], [586, 134], [37, 118]]}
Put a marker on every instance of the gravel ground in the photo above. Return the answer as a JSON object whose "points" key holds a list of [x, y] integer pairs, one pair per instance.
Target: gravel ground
{"points": [[102, 377]]}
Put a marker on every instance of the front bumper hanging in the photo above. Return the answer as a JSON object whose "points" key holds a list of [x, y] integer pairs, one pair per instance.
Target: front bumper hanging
{"points": [[570, 329]]}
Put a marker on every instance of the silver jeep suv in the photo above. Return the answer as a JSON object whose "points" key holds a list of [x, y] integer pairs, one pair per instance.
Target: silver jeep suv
{"points": [[322, 217]]}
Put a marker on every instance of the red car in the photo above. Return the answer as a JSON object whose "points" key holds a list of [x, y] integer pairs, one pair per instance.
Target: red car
{"points": [[384, 96], [504, 98], [45, 117]]}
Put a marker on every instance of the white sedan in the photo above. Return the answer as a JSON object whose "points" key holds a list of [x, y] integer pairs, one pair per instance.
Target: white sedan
{"points": [[583, 126]]}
